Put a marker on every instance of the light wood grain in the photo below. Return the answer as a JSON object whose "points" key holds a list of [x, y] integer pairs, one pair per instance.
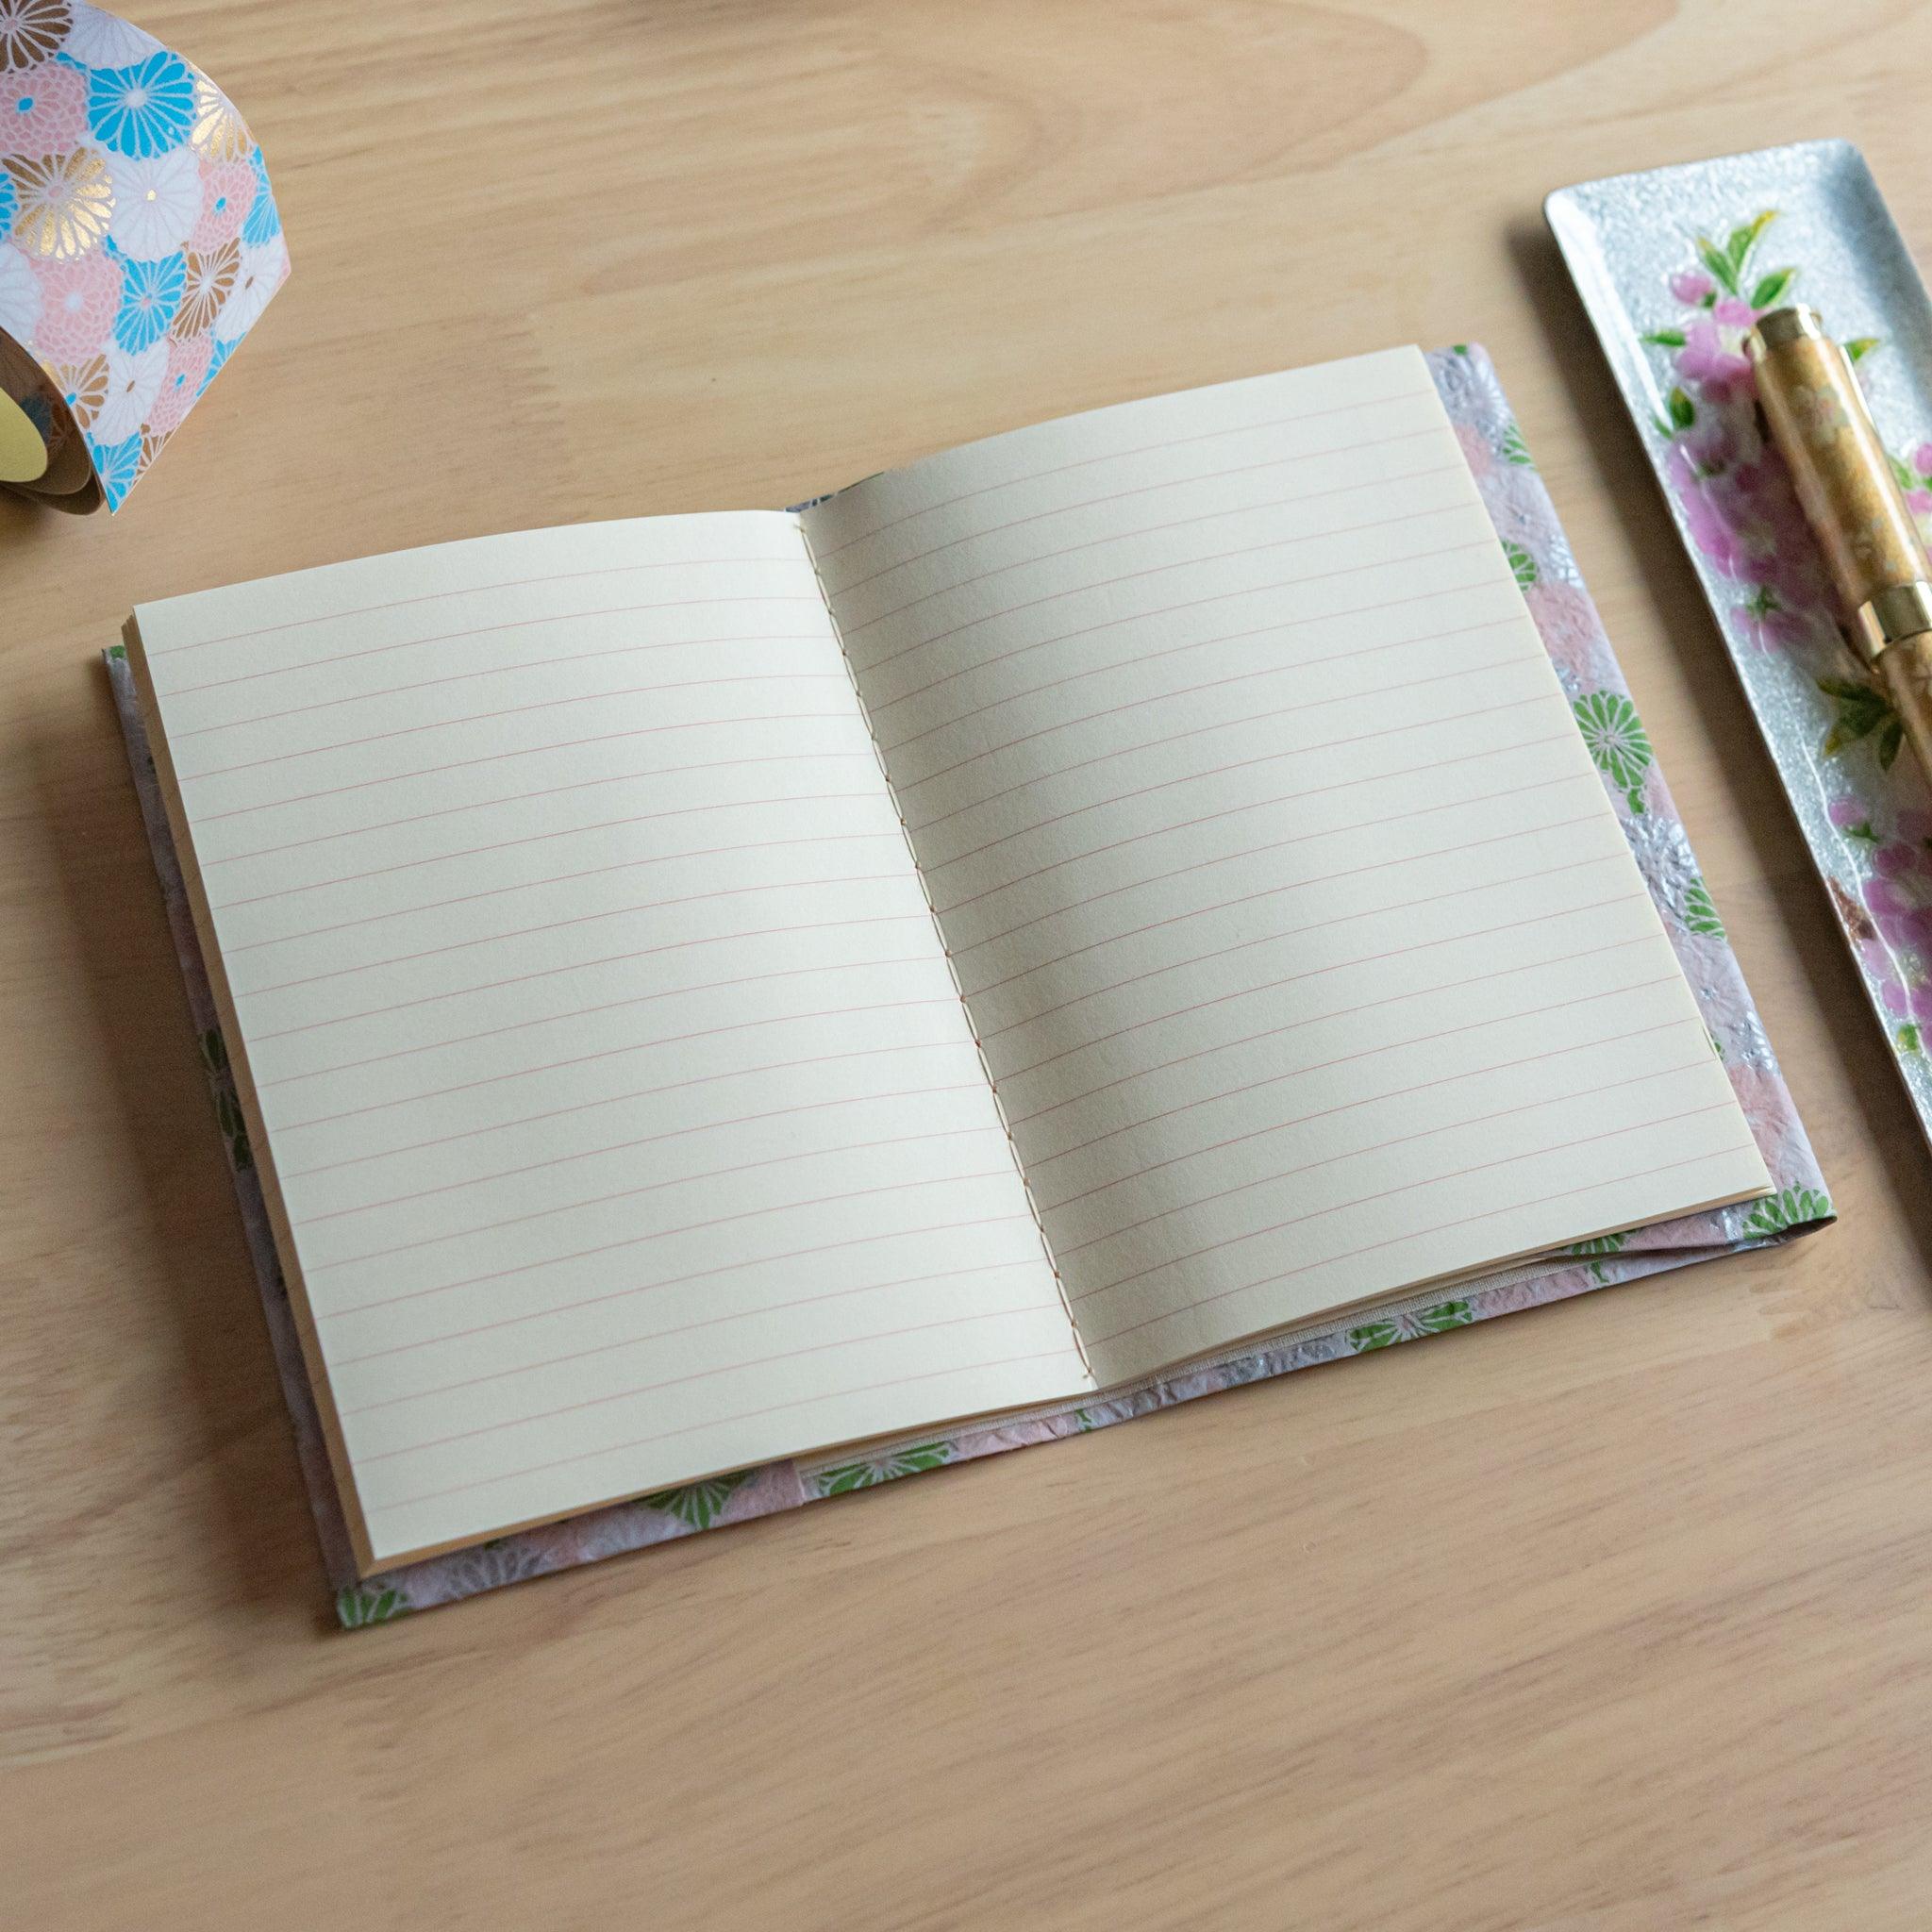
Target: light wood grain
{"points": [[1610, 1616]]}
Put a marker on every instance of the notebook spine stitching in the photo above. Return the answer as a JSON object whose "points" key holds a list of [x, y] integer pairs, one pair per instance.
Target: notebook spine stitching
{"points": [[945, 950]]}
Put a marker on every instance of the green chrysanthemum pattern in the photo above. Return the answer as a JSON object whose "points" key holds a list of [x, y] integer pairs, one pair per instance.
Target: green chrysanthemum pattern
{"points": [[1410, 1327], [1791, 1208], [1603, 1244], [1617, 742], [847, 1476], [699, 1504], [1700, 915], [360, 1605]]}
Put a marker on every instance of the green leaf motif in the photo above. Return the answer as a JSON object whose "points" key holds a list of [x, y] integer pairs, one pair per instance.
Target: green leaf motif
{"points": [[1372, 1335], [1665, 338], [1515, 450], [882, 1469], [1683, 411], [358, 1605], [1443, 1316], [1861, 346], [1862, 711], [1864, 829], [1521, 564], [1791, 1208], [118, 652], [1909, 1040], [1700, 915], [1771, 289], [1901, 472], [1717, 261], [699, 1504], [1745, 239], [235, 1130], [1617, 742]]}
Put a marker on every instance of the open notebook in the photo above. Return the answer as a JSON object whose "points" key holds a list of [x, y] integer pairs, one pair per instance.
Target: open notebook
{"points": [[707, 988]]}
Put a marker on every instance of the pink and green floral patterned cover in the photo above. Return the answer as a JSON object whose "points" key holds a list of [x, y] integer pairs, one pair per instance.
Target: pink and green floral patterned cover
{"points": [[1531, 537]]}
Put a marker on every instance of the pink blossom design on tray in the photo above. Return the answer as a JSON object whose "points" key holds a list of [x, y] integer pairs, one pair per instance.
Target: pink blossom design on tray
{"points": [[1890, 920]]}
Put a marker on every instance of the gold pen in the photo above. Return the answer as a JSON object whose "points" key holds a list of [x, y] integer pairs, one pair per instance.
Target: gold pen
{"points": [[1816, 416]]}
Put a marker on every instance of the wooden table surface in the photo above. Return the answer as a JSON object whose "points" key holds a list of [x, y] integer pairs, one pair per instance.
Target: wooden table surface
{"points": [[1613, 1615]]}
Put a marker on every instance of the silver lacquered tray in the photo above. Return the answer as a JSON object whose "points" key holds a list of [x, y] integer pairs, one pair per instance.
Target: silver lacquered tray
{"points": [[1673, 265]]}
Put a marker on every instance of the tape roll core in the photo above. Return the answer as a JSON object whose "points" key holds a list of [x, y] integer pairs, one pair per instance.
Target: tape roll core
{"points": [[22, 449]]}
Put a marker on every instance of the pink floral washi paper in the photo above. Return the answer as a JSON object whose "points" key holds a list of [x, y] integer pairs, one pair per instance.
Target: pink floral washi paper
{"points": [[1531, 537], [139, 240]]}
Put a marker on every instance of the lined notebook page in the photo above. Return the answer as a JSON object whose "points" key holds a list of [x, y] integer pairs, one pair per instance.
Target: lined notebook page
{"points": [[1304, 948], [620, 1115]]}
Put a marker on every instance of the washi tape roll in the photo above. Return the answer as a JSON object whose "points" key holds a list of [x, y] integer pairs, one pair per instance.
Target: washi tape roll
{"points": [[142, 242]]}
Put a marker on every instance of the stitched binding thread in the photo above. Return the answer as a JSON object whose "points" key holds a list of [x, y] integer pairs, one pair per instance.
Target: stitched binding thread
{"points": [[945, 950]]}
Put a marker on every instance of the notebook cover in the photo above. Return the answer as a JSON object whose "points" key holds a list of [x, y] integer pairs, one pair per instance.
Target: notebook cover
{"points": [[1533, 541]]}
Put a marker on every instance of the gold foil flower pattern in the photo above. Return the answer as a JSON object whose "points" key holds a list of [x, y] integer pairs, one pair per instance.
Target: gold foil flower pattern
{"points": [[65, 202], [210, 276], [83, 387], [217, 133], [32, 31]]}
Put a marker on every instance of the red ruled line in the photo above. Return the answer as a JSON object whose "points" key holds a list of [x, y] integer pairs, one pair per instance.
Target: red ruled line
{"points": [[657, 1187], [1249, 898], [678, 1281], [1140, 450], [618, 1099], [586, 919], [1442, 1227], [1388, 519], [472, 589], [578, 1354], [469, 676], [480, 630], [562, 878], [1168, 483], [679, 1132], [1344, 1059], [648, 1140], [1148, 704], [1538, 920], [542, 703], [555, 1260], [784, 1355], [1488, 755], [718, 1421], [636, 999], [1588, 818], [538, 839], [1436, 807], [530, 751], [1360, 568], [457, 992], [467, 591], [1421, 1133], [1178, 650], [786, 758]]}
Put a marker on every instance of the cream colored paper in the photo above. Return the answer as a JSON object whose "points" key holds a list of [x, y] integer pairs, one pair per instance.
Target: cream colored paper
{"points": [[620, 1116], [1304, 946], [618, 1109]]}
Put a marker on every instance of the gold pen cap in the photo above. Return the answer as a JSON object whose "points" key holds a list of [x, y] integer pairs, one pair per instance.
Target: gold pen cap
{"points": [[1816, 413]]}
